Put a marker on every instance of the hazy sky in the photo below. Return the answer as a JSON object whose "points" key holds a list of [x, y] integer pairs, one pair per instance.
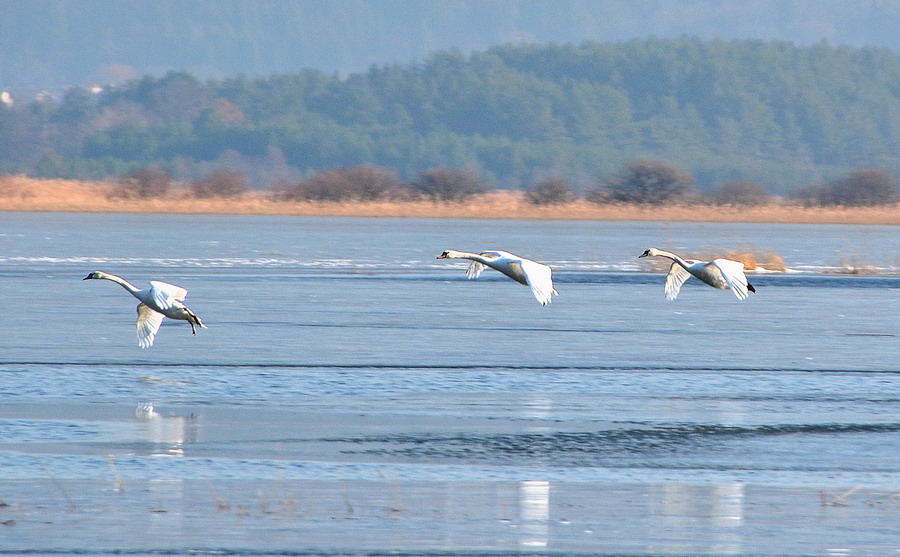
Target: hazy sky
{"points": [[54, 43]]}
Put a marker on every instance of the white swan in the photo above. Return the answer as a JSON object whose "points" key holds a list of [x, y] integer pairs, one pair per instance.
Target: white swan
{"points": [[718, 273], [530, 273], [160, 300]]}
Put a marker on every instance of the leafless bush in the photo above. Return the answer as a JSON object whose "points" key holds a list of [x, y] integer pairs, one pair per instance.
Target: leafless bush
{"points": [[221, 183], [448, 184], [863, 187], [599, 195], [364, 183], [372, 182], [740, 192], [812, 195], [648, 181], [550, 191], [145, 183]]}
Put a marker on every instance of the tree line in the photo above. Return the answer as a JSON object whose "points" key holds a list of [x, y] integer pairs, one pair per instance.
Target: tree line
{"points": [[639, 181], [768, 112]]}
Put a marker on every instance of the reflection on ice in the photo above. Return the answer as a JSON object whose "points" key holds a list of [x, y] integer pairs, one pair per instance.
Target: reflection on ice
{"points": [[537, 407], [534, 512], [145, 412], [718, 510], [167, 433], [728, 504]]}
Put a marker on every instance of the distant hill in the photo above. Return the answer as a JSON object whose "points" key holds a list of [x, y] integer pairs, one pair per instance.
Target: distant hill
{"points": [[783, 115], [50, 44]]}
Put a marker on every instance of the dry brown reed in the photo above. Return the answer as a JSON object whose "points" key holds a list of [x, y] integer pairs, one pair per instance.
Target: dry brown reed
{"points": [[767, 260], [753, 259], [853, 266], [20, 193]]}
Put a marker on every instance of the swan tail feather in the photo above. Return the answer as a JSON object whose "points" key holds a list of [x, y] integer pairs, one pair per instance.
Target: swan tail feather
{"points": [[194, 319]]}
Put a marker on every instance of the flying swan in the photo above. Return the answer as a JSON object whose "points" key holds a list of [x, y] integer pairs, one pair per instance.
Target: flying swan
{"points": [[160, 300], [530, 273], [718, 273]]}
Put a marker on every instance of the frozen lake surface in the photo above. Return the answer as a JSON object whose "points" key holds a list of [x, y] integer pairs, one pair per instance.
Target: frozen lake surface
{"points": [[354, 395]]}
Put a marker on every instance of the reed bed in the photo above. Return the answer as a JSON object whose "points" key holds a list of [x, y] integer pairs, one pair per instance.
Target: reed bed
{"points": [[19, 193]]}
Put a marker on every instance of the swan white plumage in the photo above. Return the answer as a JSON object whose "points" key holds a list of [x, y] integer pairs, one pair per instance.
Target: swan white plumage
{"points": [[530, 273], [719, 273], [160, 300]]}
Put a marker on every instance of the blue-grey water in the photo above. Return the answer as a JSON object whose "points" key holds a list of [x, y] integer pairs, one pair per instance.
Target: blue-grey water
{"points": [[355, 395]]}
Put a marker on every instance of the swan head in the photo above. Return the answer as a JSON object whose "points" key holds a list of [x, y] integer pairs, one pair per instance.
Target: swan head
{"points": [[649, 253], [95, 275], [449, 254]]}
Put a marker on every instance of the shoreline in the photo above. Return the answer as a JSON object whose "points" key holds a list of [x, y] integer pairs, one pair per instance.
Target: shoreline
{"points": [[23, 194]]}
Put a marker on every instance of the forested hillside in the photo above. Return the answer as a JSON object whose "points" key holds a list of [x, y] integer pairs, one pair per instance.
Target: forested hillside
{"points": [[783, 115]]}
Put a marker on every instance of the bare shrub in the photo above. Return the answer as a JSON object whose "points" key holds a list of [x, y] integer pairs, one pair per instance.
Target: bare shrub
{"points": [[812, 195], [364, 183], [550, 191], [283, 190], [865, 187], [403, 193], [369, 182], [448, 184], [650, 181], [599, 195], [740, 192], [145, 183], [324, 186], [221, 183]]}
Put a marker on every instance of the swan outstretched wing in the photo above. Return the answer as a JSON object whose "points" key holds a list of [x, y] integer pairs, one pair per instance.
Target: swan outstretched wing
{"points": [[733, 273], [148, 323], [540, 278], [165, 294], [676, 277], [494, 258], [474, 269]]}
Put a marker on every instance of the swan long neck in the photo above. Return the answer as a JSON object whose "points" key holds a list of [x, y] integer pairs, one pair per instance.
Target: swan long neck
{"points": [[455, 254], [118, 280], [673, 256]]}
